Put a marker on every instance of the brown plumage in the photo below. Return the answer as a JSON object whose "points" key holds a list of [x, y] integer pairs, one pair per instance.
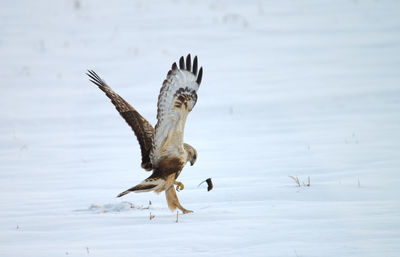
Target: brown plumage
{"points": [[140, 126], [162, 148]]}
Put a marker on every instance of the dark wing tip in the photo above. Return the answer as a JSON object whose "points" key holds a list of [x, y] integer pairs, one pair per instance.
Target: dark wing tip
{"points": [[195, 66], [189, 67], [200, 76], [188, 63], [181, 63], [91, 73], [95, 79]]}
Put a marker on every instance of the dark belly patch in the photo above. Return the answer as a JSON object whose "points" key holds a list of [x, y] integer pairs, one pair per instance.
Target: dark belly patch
{"points": [[169, 166]]}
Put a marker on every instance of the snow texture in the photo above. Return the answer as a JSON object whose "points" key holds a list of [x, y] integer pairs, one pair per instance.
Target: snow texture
{"points": [[290, 88]]}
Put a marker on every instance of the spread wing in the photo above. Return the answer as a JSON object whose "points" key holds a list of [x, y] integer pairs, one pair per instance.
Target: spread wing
{"points": [[178, 96], [140, 126]]}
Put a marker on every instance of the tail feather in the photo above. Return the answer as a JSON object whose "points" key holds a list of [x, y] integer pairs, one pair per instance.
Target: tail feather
{"points": [[146, 186]]}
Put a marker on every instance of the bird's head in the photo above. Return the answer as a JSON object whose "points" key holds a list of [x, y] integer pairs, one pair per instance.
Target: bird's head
{"points": [[191, 153]]}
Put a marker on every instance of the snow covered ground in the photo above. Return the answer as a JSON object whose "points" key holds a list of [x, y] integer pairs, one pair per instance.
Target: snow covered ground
{"points": [[290, 88]]}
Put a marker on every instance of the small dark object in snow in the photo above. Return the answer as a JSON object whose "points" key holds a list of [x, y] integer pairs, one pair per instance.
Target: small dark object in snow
{"points": [[209, 183]]}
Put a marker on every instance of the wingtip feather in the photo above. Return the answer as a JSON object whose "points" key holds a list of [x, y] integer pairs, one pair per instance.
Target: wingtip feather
{"points": [[181, 63], [195, 66], [199, 77], [188, 63]]}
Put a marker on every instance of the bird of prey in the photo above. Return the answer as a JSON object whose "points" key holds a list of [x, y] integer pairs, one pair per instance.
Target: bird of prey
{"points": [[163, 150]]}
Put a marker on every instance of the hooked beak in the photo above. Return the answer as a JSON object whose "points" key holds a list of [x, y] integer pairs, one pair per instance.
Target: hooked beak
{"points": [[193, 160]]}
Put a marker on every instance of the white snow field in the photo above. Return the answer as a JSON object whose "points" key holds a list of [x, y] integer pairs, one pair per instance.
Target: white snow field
{"points": [[290, 88]]}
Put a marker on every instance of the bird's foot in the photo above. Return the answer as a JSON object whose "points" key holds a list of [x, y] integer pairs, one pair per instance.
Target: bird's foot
{"points": [[179, 186], [186, 211]]}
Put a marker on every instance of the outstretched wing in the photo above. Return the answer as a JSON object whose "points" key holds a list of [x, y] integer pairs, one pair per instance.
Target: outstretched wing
{"points": [[142, 128], [178, 96]]}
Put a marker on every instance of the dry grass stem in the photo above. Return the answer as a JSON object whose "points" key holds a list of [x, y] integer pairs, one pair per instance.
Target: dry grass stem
{"points": [[297, 181]]}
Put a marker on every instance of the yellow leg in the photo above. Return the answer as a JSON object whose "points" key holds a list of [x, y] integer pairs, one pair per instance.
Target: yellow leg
{"points": [[173, 202], [179, 186]]}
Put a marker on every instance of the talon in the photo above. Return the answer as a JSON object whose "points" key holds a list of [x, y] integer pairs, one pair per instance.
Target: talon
{"points": [[179, 186]]}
